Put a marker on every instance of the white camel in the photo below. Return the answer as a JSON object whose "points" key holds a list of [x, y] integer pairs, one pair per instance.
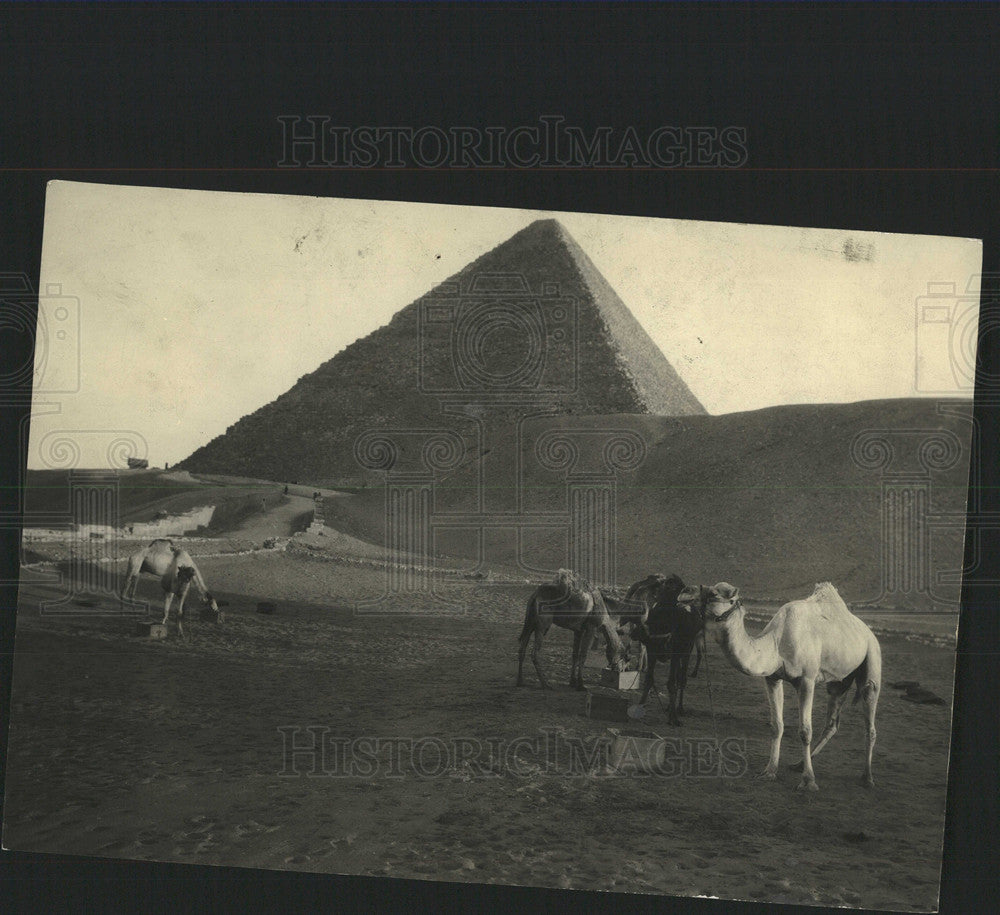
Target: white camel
{"points": [[176, 571], [806, 640]]}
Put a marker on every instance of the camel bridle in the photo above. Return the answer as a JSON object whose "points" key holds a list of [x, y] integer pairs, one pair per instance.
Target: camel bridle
{"points": [[722, 617]]}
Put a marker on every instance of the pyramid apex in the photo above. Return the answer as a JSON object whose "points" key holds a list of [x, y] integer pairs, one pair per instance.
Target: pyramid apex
{"points": [[548, 225]]}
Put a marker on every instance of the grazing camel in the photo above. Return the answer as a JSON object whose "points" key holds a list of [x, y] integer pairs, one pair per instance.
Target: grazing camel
{"points": [[632, 609], [669, 634], [622, 617], [572, 604], [176, 570], [805, 641]]}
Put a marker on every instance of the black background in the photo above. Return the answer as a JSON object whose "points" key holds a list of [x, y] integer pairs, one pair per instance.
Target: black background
{"points": [[879, 117]]}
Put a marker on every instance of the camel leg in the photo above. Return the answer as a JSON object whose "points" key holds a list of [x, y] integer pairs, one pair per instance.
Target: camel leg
{"points": [[535, 649], [648, 683], [869, 695], [180, 611], [838, 693], [673, 686], [522, 648], [807, 689], [166, 607], [131, 582], [572, 664], [697, 660], [581, 644], [587, 638], [776, 703], [682, 675]]}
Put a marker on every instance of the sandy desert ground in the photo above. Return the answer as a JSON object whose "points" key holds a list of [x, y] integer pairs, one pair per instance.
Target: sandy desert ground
{"points": [[173, 750]]}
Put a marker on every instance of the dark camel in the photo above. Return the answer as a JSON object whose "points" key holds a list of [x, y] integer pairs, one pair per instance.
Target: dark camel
{"points": [[670, 633], [633, 609]]}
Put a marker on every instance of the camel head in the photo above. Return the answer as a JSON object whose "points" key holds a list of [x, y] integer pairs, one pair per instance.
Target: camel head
{"points": [[664, 584], [719, 602], [567, 579], [210, 602], [615, 649], [653, 581]]}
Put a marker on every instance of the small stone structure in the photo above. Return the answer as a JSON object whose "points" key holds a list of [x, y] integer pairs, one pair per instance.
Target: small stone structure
{"points": [[317, 525]]}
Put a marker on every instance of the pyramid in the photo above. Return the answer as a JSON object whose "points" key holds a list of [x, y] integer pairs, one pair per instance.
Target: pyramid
{"points": [[531, 320]]}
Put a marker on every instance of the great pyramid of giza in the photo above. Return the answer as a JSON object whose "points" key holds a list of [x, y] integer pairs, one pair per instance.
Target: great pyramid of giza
{"points": [[530, 321]]}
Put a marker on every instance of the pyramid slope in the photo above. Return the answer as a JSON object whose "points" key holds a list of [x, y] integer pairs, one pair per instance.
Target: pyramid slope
{"points": [[657, 384], [308, 433]]}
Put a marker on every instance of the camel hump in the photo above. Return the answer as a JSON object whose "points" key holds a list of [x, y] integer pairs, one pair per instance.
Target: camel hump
{"points": [[826, 598]]}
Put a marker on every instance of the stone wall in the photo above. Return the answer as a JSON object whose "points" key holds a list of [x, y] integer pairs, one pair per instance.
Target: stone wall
{"points": [[171, 526]]}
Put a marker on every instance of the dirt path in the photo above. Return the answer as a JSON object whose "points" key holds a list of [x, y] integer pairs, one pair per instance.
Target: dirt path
{"points": [[278, 520]]}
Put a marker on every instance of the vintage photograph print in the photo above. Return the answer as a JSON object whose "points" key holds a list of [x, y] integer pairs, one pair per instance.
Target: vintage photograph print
{"points": [[491, 545]]}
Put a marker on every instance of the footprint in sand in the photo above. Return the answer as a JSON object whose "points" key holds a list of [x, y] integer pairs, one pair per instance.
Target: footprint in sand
{"points": [[204, 843], [199, 824], [147, 839], [251, 828]]}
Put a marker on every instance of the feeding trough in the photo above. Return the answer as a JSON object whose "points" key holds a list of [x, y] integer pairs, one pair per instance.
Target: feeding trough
{"points": [[621, 679], [150, 630], [607, 704], [643, 751]]}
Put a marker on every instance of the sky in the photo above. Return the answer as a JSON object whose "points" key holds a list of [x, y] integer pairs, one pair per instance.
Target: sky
{"points": [[189, 309]]}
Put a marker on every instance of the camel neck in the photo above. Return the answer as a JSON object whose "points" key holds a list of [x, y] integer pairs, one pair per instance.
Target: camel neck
{"points": [[756, 657], [611, 636]]}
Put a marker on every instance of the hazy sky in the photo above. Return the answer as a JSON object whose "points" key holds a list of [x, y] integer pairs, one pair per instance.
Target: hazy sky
{"points": [[199, 307]]}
